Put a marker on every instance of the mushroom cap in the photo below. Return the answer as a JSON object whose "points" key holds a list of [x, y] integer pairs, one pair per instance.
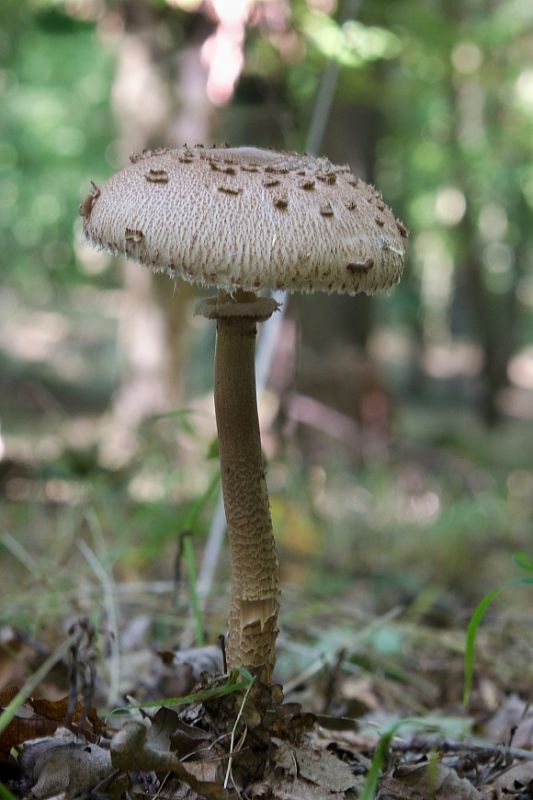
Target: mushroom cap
{"points": [[248, 218]]}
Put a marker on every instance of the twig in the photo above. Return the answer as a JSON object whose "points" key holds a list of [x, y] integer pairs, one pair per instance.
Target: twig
{"points": [[453, 746], [332, 682], [326, 91], [309, 411], [177, 565]]}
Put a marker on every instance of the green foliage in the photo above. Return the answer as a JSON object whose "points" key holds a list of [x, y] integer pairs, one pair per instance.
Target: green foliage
{"points": [[54, 131], [353, 44], [522, 560], [450, 92]]}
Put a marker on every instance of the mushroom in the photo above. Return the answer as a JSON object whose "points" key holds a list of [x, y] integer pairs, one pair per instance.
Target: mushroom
{"points": [[247, 220]]}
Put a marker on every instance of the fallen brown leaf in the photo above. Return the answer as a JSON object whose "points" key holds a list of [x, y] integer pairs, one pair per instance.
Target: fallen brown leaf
{"points": [[516, 778], [42, 717], [421, 781], [62, 764], [324, 769]]}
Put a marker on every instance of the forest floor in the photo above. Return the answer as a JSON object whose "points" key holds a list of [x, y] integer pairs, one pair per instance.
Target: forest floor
{"points": [[112, 683]]}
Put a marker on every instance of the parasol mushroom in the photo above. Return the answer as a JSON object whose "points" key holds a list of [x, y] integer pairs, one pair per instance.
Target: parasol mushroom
{"points": [[247, 220]]}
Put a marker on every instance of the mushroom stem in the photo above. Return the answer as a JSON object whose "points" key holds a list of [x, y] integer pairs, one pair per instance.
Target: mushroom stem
{"points": [[254, 567]]}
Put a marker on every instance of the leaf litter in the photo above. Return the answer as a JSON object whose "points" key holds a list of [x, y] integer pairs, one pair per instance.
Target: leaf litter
{"points": [[233, 738], [229, 737]]}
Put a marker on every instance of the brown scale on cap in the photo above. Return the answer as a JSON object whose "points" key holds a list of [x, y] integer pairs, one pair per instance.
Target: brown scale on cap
{"points": [[134, 246], [403, 230], [86, 206], [158, 151], [229, 189], [277, 170], [157, 176], [325, 225], [133, 235], [360, 266]]}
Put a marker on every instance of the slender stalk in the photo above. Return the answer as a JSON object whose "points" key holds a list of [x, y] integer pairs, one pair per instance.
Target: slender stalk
{"points": [[254, 568]]}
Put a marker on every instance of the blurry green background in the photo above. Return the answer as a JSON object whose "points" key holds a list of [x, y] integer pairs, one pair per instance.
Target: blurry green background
{"points": [[398, 429]]}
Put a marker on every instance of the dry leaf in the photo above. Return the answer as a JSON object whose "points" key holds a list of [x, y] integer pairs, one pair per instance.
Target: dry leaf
{"points": [[515, 778], [516, 716], [324, 769], [435, 780], [60, 764], [201, 659], [278, 785], [203, 770], [36, 718], [24, 726], [164, 723], [188, 738]]}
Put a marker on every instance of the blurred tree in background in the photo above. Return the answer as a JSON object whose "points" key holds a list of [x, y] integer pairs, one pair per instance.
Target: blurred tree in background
{"points": [[434, 104]]}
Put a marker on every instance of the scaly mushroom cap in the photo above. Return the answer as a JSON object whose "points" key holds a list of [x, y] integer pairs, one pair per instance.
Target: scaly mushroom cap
{"points": [[246, 218]]}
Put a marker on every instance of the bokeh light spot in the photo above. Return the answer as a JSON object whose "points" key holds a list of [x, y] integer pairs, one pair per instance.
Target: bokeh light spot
{"points": [[467, 57], [450, 205]]}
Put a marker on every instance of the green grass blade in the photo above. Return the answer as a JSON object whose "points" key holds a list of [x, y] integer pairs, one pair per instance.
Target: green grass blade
{"points": [[524, 561], [20, 698], [378, 760], [5, 794], [471, 634], [380, 754], [233, 684]]}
